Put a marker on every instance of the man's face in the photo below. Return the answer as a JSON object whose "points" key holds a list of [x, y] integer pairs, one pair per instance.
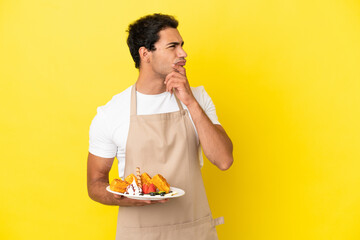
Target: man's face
{"points": [[168, 51]]}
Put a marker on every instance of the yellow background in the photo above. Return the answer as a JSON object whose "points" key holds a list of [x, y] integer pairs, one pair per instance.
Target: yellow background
{"points": [[284, 77]]}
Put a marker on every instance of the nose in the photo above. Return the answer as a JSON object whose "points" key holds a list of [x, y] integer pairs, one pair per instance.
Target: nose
{"points": [[182, 53]]}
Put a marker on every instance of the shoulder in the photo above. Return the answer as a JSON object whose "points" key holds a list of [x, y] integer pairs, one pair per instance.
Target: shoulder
{"points": [[200, 95], [205, 102], [117, 110], [197, 90], [117, 104]]}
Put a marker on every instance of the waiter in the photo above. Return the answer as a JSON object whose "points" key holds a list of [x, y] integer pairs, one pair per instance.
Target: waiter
{"points": [[158, 124]]}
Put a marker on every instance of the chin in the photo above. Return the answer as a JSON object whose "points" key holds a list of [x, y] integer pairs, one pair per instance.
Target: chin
{"points": [[165, 73]]}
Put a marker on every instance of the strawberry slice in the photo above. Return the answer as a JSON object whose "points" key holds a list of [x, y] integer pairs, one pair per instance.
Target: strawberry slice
{"points": [[145, 188], [148, 188], [152, 188]]}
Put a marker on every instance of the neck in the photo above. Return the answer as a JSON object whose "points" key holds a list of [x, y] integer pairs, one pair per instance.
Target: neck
{"points": [[149, 83]]}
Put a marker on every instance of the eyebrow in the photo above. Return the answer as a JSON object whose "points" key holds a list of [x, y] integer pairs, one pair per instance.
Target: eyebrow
{"points": [[175, 43]]}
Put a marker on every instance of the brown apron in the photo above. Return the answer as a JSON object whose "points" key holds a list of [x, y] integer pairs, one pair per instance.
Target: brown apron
{"points": [[166, 143]]}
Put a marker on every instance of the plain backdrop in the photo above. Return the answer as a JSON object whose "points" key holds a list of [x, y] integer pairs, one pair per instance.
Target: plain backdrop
{"points": [[284, 77]]}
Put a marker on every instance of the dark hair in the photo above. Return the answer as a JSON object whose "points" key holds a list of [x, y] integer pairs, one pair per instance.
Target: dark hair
{"points": [[144, 33]]}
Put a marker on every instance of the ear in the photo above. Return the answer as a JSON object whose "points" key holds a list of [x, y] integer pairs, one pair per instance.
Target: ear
{"points": [[144, 54]]}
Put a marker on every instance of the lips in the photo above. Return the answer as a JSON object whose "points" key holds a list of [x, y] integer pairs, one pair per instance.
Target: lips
{"points": [[180, 62]]}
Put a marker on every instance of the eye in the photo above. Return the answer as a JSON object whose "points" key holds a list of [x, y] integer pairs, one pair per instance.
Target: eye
{"points": [[172, 46]]}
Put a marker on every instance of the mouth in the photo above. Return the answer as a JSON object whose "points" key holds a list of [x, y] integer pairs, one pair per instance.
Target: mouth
{"points": [[181, 62]]}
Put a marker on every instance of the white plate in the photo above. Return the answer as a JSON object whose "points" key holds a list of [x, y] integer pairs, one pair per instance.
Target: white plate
{"points": [[176, 192]]}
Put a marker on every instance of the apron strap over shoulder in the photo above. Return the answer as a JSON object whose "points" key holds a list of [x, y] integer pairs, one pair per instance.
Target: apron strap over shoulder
{"points": [[133, 109], [178, 101]]}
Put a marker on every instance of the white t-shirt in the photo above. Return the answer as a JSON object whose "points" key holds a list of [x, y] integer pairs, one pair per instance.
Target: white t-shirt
{"points": [[109, 129]]}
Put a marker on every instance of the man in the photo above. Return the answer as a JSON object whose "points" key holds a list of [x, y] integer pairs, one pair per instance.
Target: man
{"points": [[158, 125]]}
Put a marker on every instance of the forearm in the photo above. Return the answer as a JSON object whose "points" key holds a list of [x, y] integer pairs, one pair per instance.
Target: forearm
{"points": [[97, 192], [216, 145]]}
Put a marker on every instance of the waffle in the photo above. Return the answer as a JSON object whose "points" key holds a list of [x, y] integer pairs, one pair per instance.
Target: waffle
{"points": [[118, 185], [129, 179], [160, 182], [145, 178]]}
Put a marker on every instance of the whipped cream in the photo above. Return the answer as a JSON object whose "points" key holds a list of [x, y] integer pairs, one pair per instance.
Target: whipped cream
{"points": [[133, 189]]}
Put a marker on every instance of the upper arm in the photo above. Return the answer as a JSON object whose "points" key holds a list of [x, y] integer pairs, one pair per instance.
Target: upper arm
{"points": [[98, 168], [100, 136]]}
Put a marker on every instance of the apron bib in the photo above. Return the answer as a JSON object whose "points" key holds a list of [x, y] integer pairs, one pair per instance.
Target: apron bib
{"points": [[166, 143]]}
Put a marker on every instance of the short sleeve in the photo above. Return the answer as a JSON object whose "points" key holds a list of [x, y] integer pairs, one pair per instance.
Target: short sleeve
{"points": [[208, 105], [100, 141]]}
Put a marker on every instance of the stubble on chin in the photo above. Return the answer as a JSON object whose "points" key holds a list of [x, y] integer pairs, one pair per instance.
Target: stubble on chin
{"points": [[166, 72]]}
